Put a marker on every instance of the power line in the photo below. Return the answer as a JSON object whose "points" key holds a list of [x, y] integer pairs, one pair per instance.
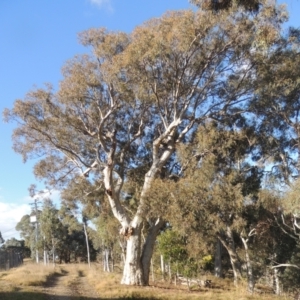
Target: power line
{"points": [[8, 230], [8, 236]]}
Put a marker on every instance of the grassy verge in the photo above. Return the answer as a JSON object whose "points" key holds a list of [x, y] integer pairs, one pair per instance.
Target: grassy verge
{"points": [[19, 283], [109, 287], [23, 284], [30, 275]]}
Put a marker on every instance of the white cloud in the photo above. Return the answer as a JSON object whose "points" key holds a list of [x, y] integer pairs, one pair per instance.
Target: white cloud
{"points": [[10, 215], [102, 4]]}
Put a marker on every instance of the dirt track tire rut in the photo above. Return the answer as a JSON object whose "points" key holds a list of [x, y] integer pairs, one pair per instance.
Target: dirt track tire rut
{"points": [[77, 288]]}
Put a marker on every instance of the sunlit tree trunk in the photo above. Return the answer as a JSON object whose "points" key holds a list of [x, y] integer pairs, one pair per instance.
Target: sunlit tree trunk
{"points": [[45, 253], [87, 242], [249, 266], [277, 282], [170, 271], [123, 249], [162, 265], [106, 267], [133, 271], [228, 243], [148, 248], [53, 252], [218, 259], [138, 257], [152, 270]]}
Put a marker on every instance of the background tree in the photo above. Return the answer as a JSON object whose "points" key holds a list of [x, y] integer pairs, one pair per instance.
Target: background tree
{"points": [[173, 247], [76, 235], [27, 232], [210, 198], [278, 107], [1, 239], [51, 228], [219, 5]]}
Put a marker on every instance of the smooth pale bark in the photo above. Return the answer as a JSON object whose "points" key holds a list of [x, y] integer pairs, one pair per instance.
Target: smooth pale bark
{"points": [[87, 243], [218, 259], [133, 272], [112, 261], [148, 247], [123, 249], [106, 267], [162, 265], [277, 282], [229, 245], [152, 270], [138, 259], [249, 266], [170, 271], [45, 257], [53, 253], [45, 253], [37, 256]]}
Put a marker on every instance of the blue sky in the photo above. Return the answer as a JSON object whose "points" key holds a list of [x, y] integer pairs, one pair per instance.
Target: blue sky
{"points": [[37, 37]]}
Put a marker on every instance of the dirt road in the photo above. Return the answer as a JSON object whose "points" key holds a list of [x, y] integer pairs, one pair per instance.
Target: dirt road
{"points": [[67, 286]]}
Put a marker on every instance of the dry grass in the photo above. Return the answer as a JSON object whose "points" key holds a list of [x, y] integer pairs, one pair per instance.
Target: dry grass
{"points": [[109, 287], [30, 275], [74, 271]]}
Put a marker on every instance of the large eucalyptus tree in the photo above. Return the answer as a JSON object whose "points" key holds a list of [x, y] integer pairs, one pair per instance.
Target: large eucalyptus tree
{"points": [[128, 104]]}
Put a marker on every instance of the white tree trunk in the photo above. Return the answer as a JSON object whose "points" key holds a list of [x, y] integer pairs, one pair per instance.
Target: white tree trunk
{"points": [[148, 248], [277, 282], [37, 256], [133, 272], [138, 259], [45, 253], [162, 265], [170, 271], [228, 243], [152, 270], [112, 260], [249, 266], [53, 253], [87, 243], [106, 254], [123, 249], [45, 257], [104, 261], [218, 259]]}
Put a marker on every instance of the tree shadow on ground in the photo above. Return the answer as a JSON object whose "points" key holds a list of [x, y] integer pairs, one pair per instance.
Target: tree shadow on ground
{"points": [[53, 279], [19, 295]]}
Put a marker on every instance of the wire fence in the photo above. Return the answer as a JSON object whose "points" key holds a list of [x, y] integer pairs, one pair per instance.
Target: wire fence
{"points": [[10, 258]]}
